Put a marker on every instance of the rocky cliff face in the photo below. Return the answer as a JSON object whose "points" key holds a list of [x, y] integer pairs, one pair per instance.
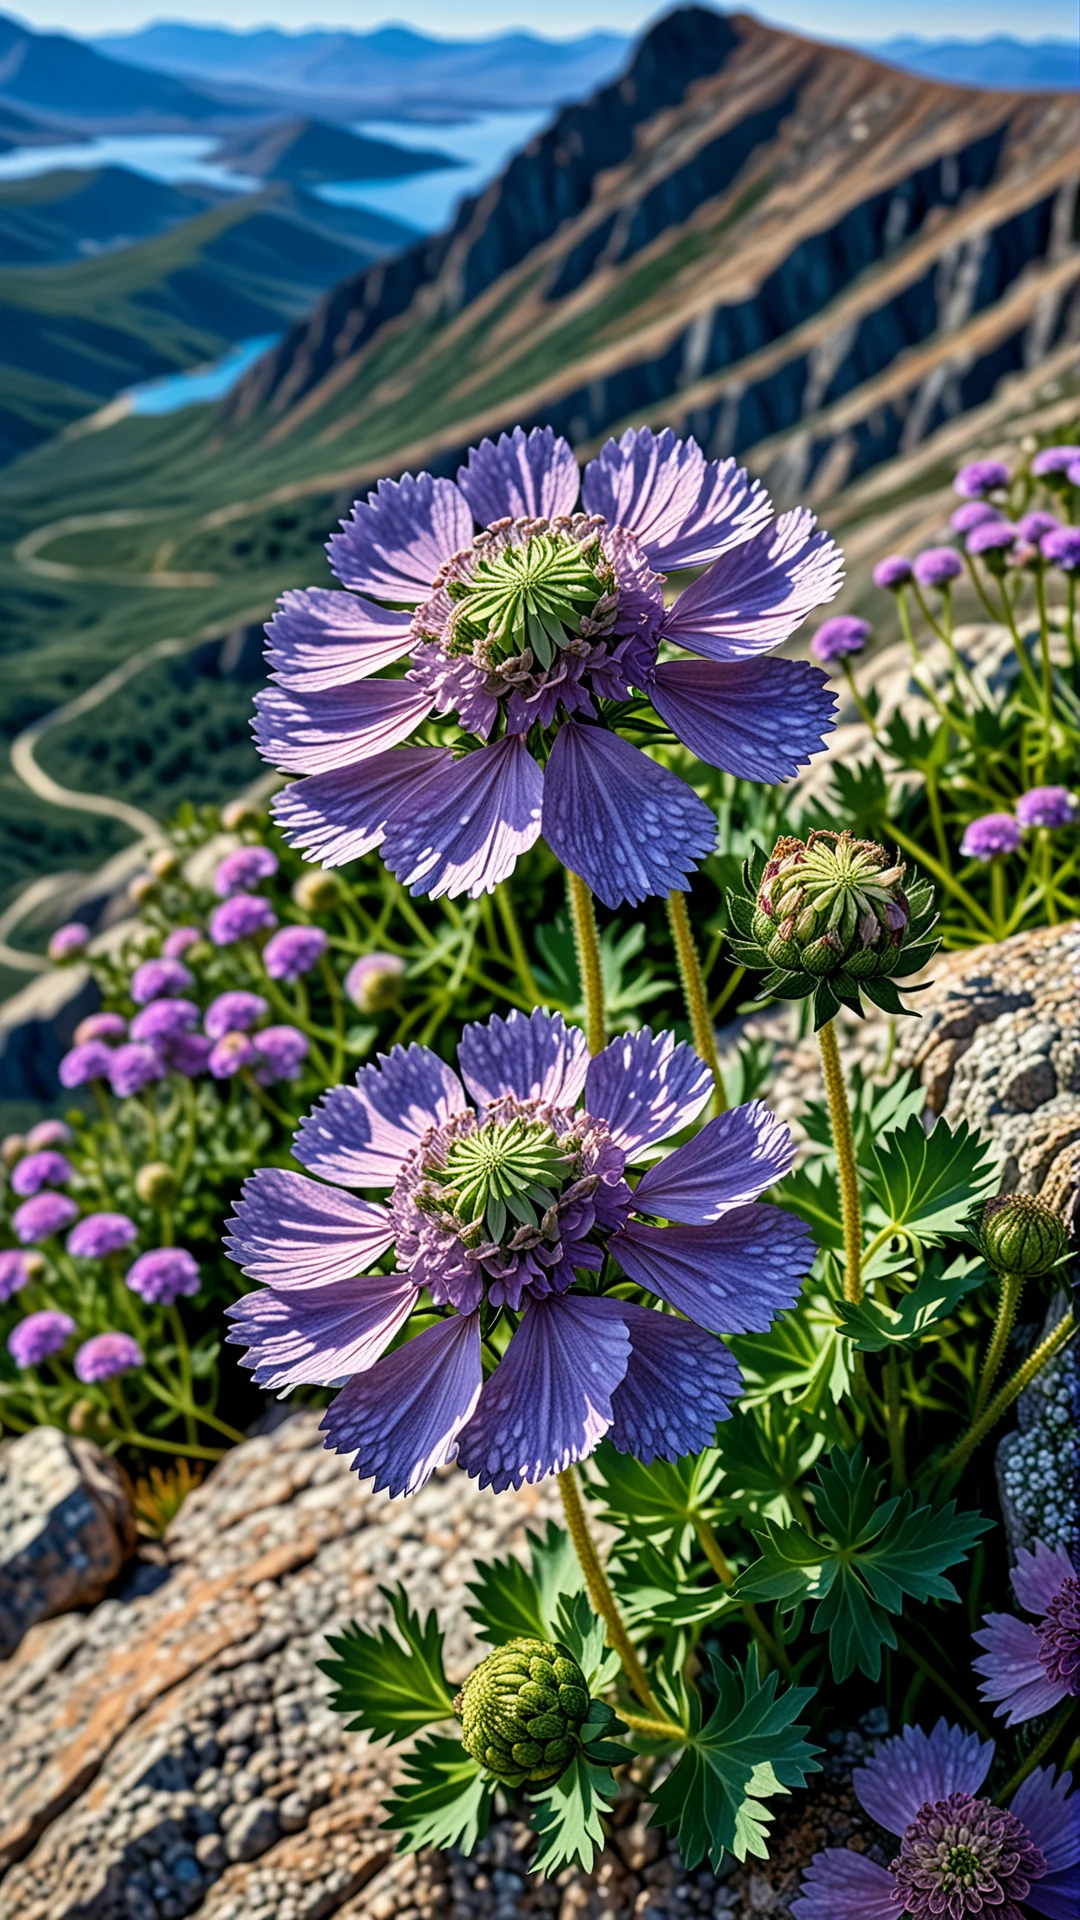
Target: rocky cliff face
{"points": [[776, 245]]}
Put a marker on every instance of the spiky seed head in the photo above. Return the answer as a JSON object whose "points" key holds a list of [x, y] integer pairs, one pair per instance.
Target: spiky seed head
{"points": [[1022, 1234], [522, 1710], [831, 902]]}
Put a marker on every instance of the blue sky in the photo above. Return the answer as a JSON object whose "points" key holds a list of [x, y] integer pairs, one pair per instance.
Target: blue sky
{"points": [[830, 19]]}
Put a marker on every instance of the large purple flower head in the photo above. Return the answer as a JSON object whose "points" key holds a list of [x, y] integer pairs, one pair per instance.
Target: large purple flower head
{"points": [[157, 978], [980, 477], [39, 1336], [515, 1201], [1062, 548], [938, 566], [105, 1355], [532, 618], [234, 1012], [133, 1067], [45, 1169], [240, 917], [960, 1854], [90, 1060], [42, 1216], [163, 1274], [992, 541], [1052, 461], [990, 837], [845, 633], [1030, 1668], [98, 1234], [243, 869], [293, 951], [1046, 807]]}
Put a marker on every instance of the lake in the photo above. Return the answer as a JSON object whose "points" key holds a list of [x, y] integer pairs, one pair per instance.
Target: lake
{"points": [[209, 382]]}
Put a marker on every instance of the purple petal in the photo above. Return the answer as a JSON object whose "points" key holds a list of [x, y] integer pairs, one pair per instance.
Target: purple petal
{"points": [[679, 1383], [646, 1086], [336, 817], [1037, 1576], [1051, 1814], [478, 815], [683, 508], [626, 825], [320, 731], [536, 1055], [396, 540], [755, 597], [733, 1277], [548, 1402], [316, 1335], [1012, 1671], [732, 1160], [523, 476], [918, 1766], [359, 1136], [292, 1232], [402, 1419], [839, 1885], [320, 639], [759, 719]]}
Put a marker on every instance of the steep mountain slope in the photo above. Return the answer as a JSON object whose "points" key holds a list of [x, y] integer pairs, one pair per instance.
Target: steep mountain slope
{"points": [[50, 217]]}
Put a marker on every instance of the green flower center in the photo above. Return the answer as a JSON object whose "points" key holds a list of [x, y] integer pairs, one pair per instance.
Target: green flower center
{"points": [[961, 1864], [533, 595], [513, 1169]]}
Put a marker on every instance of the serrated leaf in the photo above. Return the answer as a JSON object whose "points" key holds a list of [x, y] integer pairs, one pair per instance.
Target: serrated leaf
{"points": [[585, 1639], [929, 1183], [566, 1817], [764, 1454], [813, 1192], [510, 1598], [391, 1686], [883, 994], [444, 1800], [802, 1356], [656, 1503], [874, 1325]]}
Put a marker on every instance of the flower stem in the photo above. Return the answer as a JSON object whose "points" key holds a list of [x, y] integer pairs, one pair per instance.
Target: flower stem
{"points": [[938, 1679], [844, 1141], [590, 968], [894, 1420], [1039, 1358], [1038, 1752], [662, 1729], [600, 1594], [504, 900], [1012, 1286], [183, 1354], [695, 994], [941, 873], [725, 1572]]}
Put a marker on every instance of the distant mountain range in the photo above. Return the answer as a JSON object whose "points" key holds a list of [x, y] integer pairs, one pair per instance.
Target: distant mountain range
{"points": [[1001, 61], [305, 152], [66, 82]]}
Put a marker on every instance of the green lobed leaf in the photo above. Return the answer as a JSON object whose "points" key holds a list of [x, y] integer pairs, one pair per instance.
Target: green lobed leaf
{"points": [[566, 1817], [392, 1686], [444, 1800], [656, 1503], [510, 1598], [928, 1183], [584, 1636], [874, 1325]]}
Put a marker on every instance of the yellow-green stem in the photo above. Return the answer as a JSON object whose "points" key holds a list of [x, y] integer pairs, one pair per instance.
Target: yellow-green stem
{"points": [[844, 1141], [1039, 1358], [722, 1567], [695, 994], [662, 1729], [518, 951], [599, 1590], [590, 968], [1012, 1286], [948, 881], [1038, 1752]]}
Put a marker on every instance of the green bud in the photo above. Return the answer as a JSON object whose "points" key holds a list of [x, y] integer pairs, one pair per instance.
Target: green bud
{"points": [[1021, 1234], [156, 1184], [12, 1148], [522, 1710], [317, 892], [142, 888], [831, 902], [241, 813], [165, 862]]}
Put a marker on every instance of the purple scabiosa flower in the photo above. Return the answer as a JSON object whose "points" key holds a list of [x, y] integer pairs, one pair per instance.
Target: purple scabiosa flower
{"points": [[49, 1133], [156, 979], [845, 633], [15, 1271], [527, 617], [973, 513], [67, 941], [990, 836], [893, 572], [282, 1052], [189, 1054], [373, 982], [98, 1234], [230, 1055], [1046, 807], [1030, 1668], [1054, 460], [938, 566], [105, 1355], [89, 1061], [133, 1067], [163, 1275], [510, 1198], [293, 951], [175, 944], [1033, 526], [100, 1026], [234, 1012], [45, 1169], [980, 477], [39, 1336], [239, 918], [242, 869], [1062, 548], [164, 1019], [993, 537], [43, 1215], [960, 1854]]}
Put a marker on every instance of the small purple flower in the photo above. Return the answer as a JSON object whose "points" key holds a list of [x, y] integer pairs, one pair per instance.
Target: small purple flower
{"points": [[133, 1067], [993, 537], [1054, 460], [230, 1055], [243, 869], [155, 979], [45, 1169], [980, 477], [42, 1216], [506, 1200], [67, 941], [39, 1336], [282, 1051], [990, 836], [1033, 526], [293, 951], [99, 1234], [163, 1275], [164, 1019], [938, 566], [239, 917], [1046, 807], [373, 982], [893, 572], [49, 1133], [176, 943], [15, 1271], [235, 1012], [189, 1054], [1030, 1668], [960, 1854], [106, 1355], [90, 1061], [1072, 474], [1062, 548], [100, 1026], [845, 633], [973, 513]]}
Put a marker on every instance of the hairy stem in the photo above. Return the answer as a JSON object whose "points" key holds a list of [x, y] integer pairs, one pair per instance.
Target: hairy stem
{"points": [[1039, 1358], [662, 1729], [590, 969], [1012, 1286], [600, 1595], [695, 994], [844, 1141]]}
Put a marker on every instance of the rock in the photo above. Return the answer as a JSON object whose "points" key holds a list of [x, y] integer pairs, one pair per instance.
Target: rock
{"points": [[66, 1527]]}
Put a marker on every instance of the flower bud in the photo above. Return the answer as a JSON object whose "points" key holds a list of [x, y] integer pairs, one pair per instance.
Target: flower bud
{"points": [[373, 983], [165, 862], [240, 813], [142, 889], [12, 1148], [156, 1184], [522, 1710], [316, 891], [1022, 1234], [831, 902]]}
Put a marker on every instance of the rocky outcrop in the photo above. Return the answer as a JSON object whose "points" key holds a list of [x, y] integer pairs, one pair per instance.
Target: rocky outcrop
{"points": [[66, 1528]]}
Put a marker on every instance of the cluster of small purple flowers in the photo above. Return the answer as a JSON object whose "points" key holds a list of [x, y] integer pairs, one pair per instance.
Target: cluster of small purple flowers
{"points": [[993, 836], [1038, 538]]}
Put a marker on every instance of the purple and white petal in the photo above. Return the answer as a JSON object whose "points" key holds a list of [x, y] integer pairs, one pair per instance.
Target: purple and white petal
{"points": [[757, 595], [359, 1136], [1051, 1813], [680, 1382], [1038, 1576], [731, 1161], [479, 814], [759, 719], [337, 817], [682, 508], [548, 1402], [840, 1885], [401, 1419], [316, 732], [629, 827], [321, 639], [535, 1056], [917, 1766], [399, 537], [521, 476], [732, 1277], [1012, 1671], [292, 1232], [646, 1086], [316, 1335]]}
